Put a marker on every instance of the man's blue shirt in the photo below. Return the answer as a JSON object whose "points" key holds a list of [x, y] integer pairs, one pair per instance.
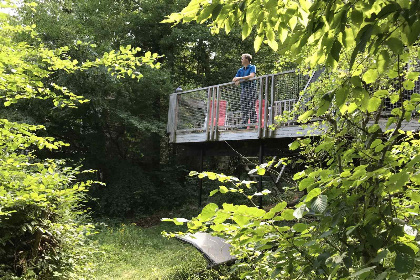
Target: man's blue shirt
{"points": [[246, 71]]}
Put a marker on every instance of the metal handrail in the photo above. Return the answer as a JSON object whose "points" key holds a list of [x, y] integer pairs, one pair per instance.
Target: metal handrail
{"points": [[231, 83]]}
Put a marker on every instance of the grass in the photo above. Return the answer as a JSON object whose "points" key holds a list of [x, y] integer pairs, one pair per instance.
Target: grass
{"points": [[127, 251]]}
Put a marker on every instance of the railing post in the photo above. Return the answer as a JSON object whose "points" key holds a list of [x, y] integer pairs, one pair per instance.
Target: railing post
{"points": [[273, 111], [173, 134], [260, 109], [207, 120], [265, 134], [213, 110], [216, 129]]}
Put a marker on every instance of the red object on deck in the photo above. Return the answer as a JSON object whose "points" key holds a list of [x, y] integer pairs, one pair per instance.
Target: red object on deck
{"points": [[222, 113], [257, 110]]}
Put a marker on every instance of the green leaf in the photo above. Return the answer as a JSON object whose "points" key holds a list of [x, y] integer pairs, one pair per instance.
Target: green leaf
{"points": [[325, 103], [341, 96], [306, 115], [211, 175], [312, 194], [292, 22], [362, 38], [373, 104], [320, 203], [395, 45], [260, 171], [370, 76], [375, 143], [279, 206], [205, 13], [208, 211], [241, 220], [413, 75], [335, 50], [415, 32], [381, 93], [382, 276], [415, 179], [381, 255], [356, 81], [216, 11], [362, 271], [408, 85], [299, 227], [415, 196], [283, 34], [305, 183], [246, 30], [356, 16], [257, 42], [397, 181], [287, 215], [388, 9], [273, 44], [213, 192], [383, 61], [374, 128], [221, 216], [404, 262], [223, 189], [294, 145]]}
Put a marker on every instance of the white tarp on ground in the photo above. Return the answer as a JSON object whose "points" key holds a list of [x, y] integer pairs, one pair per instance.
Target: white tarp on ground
{"points": [[214, 249]]}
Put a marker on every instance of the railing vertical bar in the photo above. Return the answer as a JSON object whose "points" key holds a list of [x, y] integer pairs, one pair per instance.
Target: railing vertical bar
{"points": [[217, 112], [175, 126], [265, 134], [208, 113], [273, 110], [212, 115], [260, 109]]}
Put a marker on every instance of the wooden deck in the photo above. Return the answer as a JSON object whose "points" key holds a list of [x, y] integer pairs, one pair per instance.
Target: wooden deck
{"points": [[215, 113]]}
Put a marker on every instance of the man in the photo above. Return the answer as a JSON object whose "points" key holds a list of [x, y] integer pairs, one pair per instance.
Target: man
{"points": [[248, 89]]}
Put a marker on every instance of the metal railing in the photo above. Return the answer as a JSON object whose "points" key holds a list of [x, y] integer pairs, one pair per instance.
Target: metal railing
{"points": [[229, 106]]}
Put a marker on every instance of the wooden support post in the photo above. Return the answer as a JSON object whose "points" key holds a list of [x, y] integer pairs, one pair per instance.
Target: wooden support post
{"points": [[200, 180], [260, 99], [260, 182]]}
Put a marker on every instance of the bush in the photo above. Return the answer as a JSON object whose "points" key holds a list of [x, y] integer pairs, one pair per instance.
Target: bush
{"points": [[39, 210]]}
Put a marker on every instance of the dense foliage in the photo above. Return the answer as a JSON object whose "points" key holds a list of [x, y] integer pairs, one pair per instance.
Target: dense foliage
{"points": [[359, 217], [41, 233], [120, 132]]}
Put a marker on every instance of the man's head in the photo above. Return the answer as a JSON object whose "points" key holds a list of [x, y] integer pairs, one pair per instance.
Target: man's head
{"points": [[246, 59]]}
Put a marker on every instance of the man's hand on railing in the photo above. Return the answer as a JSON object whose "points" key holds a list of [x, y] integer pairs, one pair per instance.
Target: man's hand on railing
{"points": [[237, 80]]}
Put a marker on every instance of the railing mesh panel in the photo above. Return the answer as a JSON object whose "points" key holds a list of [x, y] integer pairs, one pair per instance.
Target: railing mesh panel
{"points": [[395, 88], [239, 105], [192, 110]]}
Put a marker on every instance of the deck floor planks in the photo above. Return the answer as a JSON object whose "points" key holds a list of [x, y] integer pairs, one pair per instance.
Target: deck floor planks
{"points": [[293, 131]]}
